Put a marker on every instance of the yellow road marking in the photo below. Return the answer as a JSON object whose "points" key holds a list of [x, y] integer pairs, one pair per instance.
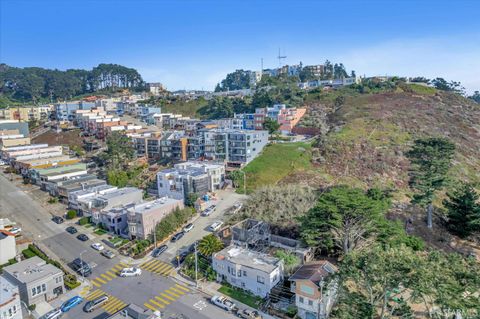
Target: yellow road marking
{"points": [[166, 271], [148, 263], [182, 287], [100, 280], [178, 291], [111, 273], [117, 267], [162, 300], [172, 293], [94, 294], [96, 284], [167, 296], [156, 303], [150, 307], [113, 305], [153, 265], [123, 265], [108, 278], [157, 267]]}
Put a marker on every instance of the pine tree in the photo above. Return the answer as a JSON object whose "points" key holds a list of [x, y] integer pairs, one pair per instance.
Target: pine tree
{"points": [[463, 210]]}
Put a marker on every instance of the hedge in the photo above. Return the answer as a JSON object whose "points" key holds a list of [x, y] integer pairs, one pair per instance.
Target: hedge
{"points": [[173, 221], [71, 214], [83, 221]]}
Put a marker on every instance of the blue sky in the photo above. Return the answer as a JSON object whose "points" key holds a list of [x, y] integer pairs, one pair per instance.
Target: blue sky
{"points": [[193, 44]]}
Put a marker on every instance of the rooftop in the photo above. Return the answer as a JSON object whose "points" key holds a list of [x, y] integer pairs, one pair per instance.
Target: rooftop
{"points": [[31, 269], [120, 192], [314, 271], [8, 291], [248, 258], [147, 207], [132, 311]]}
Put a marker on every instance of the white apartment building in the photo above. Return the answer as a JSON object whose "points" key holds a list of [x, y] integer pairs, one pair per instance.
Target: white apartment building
{"points": [[7, 246], [248, 270], [10, 307]]}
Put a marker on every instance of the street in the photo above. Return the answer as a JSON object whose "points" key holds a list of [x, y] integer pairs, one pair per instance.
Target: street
{"points": [[154, 289]]}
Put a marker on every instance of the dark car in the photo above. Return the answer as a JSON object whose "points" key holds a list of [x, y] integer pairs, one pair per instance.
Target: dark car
{"points": [[82, 237], [95, 303], [177, 236], [82, 267], [159, 250], [179, 259], [57, 219], [71, 230]]}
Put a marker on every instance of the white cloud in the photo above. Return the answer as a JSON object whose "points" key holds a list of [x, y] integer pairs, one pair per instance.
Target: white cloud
{"points": [[455, 59]]}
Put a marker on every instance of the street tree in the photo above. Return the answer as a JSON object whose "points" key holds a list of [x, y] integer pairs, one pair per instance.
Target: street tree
{"points": [[271, 125], [463, 210], [431, 159], [209, 245]]}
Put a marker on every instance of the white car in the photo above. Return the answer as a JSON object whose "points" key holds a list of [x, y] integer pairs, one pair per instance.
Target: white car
{"points": [[223, 303], [188, 227], [54, 314], [15, 230], [215, 226], [130, 272], [2, 163], [97, 246]]}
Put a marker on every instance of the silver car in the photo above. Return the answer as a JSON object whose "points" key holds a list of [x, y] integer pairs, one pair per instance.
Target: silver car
{"points": [[53, 314]]}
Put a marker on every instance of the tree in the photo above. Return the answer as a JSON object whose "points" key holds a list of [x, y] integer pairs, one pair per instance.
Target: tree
{"points": [[452, 86], [342, 218], [191, 199], [270, 125], [71, 214], [119, 150], [237, 80], [463, 210], [209, 245], [476, 96], [217, 108], [431, 159], [290, 260]]}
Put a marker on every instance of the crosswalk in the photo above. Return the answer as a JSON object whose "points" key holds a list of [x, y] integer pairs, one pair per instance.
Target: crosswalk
{"points": [[112, 305], [157, 267], [166, 297], [108, 275]]}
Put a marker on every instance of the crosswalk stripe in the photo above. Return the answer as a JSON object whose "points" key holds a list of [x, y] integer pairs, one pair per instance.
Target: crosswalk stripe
{"points": [[166, 271], [96, 284], [162, 300], [100, 280], [111, 273], [150, 307], [170, 292], [167, 296], [161, 267], [152, 265], [113, 305], [156, 303], [178, 291], [117, 267], [123, 265], [182, 287], [157, 267], [108, 278], [94, 294], [148, 263]]}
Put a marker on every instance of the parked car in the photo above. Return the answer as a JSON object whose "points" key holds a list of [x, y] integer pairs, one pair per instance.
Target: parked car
{"points": [[180, 258], [97, 246], [177, 236], [53, 314], [82, 237], [107, 253], [207, 212], [159, 250], [249, 314], [188, 227], [223, 303], [215, 226], [130, 272], [82, 267], [2, 163], [57, 220], [95, 303], [70, 303], [71, 230], [15, 230]]}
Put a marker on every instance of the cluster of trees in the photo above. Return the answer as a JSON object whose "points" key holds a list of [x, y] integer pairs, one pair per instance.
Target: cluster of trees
{"points": [[34, 84], [238, 80], [475, 96]]}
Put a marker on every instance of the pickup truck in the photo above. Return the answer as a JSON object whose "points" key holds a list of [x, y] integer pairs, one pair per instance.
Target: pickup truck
{"points": [[223, 303]]}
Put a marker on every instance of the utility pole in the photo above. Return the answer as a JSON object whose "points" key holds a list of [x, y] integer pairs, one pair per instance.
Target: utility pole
{"points": [[196, 264], [280, 57]]}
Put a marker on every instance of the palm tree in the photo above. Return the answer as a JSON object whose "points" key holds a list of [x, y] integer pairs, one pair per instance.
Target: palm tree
{"points": [[209, 245]]}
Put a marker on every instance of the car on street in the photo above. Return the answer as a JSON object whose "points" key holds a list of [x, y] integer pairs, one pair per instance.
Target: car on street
{"points": [[57, 220], [180, 258], [249, 314], [53, 314], [82, 267], [15, 230], [177, 236], [72, 230], [215, 226], [159, 250], [130, 272], [97, 246], [95, 303], [82, 237], [107, 253], [188, 227], [70, 303], [223, 303], [207, 212]]}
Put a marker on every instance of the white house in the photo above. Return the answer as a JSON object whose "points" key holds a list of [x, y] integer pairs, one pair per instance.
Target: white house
{"points": [[10, 307], [248, 270], [7, 246]]}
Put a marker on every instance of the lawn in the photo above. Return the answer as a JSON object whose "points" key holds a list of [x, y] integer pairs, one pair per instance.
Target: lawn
{"points": [[275, 162], [100, 231], [242, 296]]}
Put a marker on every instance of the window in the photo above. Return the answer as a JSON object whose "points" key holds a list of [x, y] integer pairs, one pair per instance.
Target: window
{"points": [[307, 290], [239, 273], [243, 285], [44, 287], [245, 273], [310, 303], [300, 299], [260, 279], [275, 277], [34, 291]]}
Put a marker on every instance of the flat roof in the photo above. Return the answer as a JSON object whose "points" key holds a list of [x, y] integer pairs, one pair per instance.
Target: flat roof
{"points": [[248, 258], [120, 192], [146, 207], [8, 291], [64, 171], [31, 269]]}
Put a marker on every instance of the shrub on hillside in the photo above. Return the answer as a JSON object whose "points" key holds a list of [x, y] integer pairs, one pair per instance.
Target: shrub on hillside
{"points": [[71, 214]]}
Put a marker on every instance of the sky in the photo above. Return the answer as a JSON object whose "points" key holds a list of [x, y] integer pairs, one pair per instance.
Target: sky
{"points": [[194, 44]]}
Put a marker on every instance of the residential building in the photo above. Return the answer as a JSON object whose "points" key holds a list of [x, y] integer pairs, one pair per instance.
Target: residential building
{"points": [[190, 177], [66, 111], [315, 290], [37, 281], [147, 144], [106, 201], [316, 70], [10, 306], [53, 174], [84, 182], [288, 118], [133, 311], [76, 199], [8, 249], [142, 218], [22, 127], [29, 168], [249, 270], [156, 88], [7, 143], [144, 111], [26, 113]]}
